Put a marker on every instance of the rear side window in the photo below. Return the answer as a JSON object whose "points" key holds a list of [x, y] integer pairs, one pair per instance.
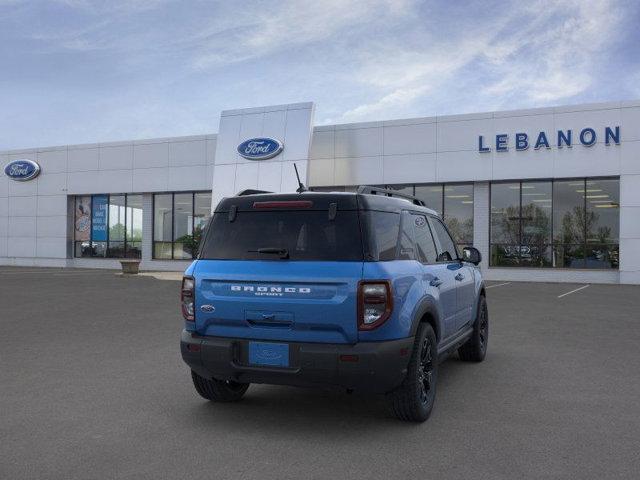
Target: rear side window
{"points": [[382, 229], [305, 235], [446, 248], [424, 241]]}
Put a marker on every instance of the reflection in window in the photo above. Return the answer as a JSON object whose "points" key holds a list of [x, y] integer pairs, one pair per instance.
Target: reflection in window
{"points": [[108, 226], [431, 195], [179, 220], [565, 224], [458, 213]]}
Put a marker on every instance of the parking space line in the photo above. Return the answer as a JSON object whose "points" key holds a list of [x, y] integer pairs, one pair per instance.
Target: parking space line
{"points": [[498, 285], [573, 291]]}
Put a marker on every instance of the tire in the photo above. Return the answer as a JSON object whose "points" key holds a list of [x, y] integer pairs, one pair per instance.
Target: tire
{"points": [[475, 349], [413, 400], [218, 390]]}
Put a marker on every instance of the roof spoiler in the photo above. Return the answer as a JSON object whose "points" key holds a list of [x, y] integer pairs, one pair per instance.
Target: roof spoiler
{"points": [[251, 191], [368, 190]]}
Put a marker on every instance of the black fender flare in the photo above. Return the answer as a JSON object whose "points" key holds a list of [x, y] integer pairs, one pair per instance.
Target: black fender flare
{"points": [[426, 306]]}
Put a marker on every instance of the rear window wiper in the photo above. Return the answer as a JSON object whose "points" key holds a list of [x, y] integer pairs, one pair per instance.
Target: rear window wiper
{"points": [[282, 252]]}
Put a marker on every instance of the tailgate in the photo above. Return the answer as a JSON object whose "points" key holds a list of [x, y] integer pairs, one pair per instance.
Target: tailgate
{"points": [[278, 300]]}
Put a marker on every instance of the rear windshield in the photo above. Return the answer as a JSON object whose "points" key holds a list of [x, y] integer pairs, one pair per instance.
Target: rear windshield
{"points": [[304, 235]]}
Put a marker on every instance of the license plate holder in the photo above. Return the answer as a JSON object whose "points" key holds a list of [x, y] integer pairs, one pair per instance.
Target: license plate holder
{"points": [[269, 354]]}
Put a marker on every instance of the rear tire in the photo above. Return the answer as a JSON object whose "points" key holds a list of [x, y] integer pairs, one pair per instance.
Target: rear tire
{"points": [[218, 390], [475, 349], [413, 400]]}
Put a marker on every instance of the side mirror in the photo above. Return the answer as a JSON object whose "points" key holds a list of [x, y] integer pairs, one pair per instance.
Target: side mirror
{"points": [[471, 255]]}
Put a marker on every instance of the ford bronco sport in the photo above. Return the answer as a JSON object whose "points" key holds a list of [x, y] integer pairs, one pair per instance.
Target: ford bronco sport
{"points": [[364, 291]]}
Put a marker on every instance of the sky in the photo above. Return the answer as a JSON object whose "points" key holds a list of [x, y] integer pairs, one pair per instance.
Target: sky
{"points": [[79, 71]]}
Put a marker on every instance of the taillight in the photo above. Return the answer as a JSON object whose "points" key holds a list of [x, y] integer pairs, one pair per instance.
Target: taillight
{"points": [[375, 303], [187, 298]]}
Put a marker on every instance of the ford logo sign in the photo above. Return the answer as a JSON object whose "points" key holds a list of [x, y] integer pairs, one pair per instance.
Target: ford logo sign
{"points": [[22, 170], [260, 148]]}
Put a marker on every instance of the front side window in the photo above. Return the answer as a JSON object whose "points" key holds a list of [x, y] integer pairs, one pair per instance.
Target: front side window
{"points": [[108, 226], [446, 247], [424, 240]]}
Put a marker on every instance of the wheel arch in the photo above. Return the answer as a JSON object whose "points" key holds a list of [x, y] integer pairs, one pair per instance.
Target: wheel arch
{"points": [[427, 312]]}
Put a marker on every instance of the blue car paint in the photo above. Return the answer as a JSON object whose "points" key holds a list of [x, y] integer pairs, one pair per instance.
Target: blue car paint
{"points": [[324, 314], [306, 316]]}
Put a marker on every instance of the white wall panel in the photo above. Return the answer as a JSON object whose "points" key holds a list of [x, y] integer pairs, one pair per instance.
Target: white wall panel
{"points": [[358, 142], [22, 206], [269, 176], [581, 161], [228, 140], [52, 226], [151, 155], [53, 161], [4, 206], [630, 124], [83, 159], [463, 135], [52, 183], [359, 171], [297, 136], [22, 189], [117, 157], [51, 247], [84, 182], [322, 144], [150, 180], [321, 172], [115, 181], [21, 246], [246, 176], [223, 183], [420, 138], [630, 191], [188, 178], [407, 168], [51, 205], [188, 153], [22, 227], [463, 166], [630, 157]]}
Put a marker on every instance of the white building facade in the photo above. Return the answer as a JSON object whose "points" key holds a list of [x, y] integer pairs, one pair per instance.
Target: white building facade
{"points": [[549, 194]]}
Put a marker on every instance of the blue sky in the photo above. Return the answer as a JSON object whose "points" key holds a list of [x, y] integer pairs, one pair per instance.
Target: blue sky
{"points": [[76, 71]]}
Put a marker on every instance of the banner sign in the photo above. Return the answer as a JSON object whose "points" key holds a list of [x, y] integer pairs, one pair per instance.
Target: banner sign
{"points": [[99, 218]]}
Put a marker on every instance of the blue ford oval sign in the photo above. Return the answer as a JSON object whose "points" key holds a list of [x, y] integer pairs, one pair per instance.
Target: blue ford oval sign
{"points": [[22, 170], [260, 148]]}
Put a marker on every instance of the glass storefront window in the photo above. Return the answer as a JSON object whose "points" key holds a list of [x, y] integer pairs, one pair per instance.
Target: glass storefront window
{"points": [[162, 225], [431, 195], [134, 226], [108, 226], [179, 219], [555, 224], [458, 213], [183, 225]]}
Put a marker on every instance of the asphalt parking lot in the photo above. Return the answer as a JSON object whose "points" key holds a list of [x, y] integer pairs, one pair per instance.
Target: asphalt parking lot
{"points": [[92, 386]]}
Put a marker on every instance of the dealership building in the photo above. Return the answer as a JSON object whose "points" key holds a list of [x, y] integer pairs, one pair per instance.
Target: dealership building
{"points": [[548, 194]]}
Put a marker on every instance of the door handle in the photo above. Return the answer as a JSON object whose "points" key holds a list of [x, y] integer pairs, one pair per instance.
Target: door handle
{"points": [[436, 282], [459, 277]]}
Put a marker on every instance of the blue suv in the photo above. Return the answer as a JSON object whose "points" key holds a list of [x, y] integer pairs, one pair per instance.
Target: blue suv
{"points": [[364, 291]]}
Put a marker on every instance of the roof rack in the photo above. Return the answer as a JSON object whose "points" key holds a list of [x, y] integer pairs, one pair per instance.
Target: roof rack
{"points": [[251, 191], [366, 189]]}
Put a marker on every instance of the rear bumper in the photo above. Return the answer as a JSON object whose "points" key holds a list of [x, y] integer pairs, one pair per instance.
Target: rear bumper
{"points": [[379, 368]]}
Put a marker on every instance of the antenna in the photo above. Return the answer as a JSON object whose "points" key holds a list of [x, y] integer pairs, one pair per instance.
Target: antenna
{"points": [[301, 188]]}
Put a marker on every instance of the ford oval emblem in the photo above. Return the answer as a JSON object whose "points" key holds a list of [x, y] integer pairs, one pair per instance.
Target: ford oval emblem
{"points": [[260, 148], [22, 170]]}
